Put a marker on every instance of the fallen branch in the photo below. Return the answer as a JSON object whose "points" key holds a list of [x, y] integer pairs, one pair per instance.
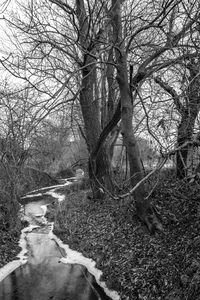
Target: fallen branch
{"points": [[144, 179]]}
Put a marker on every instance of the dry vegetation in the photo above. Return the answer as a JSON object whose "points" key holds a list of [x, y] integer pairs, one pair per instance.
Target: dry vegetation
{"points": [[10, 224], [13, 184], [136, 264]]}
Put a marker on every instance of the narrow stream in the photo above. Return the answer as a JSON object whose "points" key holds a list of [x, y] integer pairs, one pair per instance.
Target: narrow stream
{"points": [[47, 268]]}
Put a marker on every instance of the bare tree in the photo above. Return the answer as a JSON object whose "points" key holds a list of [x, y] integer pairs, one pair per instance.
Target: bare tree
{"points": [[187, 105], [64, 40], [146, 68]]}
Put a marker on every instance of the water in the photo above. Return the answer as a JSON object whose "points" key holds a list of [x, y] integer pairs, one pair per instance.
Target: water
{"points": [[47, 268]]}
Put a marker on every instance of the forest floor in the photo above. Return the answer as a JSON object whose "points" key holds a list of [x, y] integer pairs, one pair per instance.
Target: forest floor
{"points": [[134, 263], [9, 247]]}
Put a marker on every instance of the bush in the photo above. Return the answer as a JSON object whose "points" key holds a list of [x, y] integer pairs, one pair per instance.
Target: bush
{"points": [[15, 182], [65, 173], [30, 179], [9, 206]]}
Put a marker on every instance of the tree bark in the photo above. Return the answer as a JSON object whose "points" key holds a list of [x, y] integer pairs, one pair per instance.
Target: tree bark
{"points": [[99, 167], [188, 117], [185, 132], [143, 207], [188, 113]]}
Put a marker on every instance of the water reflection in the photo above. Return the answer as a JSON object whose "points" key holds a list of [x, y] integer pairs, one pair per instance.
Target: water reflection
{"points": [[44, 276], [51, 279]]}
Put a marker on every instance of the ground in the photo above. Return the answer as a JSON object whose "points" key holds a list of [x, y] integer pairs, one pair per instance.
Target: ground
{"points": [[10, 230], [9, 246], [134, 263]]}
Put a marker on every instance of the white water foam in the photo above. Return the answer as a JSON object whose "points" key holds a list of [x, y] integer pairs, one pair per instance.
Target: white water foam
{"points": [[59, 197], [72, 256], [75, 257], [23, 243], [11, 266]]}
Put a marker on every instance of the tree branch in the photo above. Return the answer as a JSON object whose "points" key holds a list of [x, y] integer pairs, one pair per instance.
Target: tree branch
{"points": [[172, 92], [64, 5]]}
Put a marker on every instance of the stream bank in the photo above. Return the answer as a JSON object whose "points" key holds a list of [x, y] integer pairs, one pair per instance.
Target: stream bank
{"points": [[47, 268], [135, 264]]}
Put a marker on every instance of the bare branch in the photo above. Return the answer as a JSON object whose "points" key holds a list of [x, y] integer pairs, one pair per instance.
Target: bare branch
{"points": [[153, 23], [172, 92], [64, 5]]}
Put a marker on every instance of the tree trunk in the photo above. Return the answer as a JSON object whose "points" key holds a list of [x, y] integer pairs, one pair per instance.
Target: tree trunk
{"points": [[188, 117], [111, 96], [143, 206], [188, 109], [185, 132], [99, 167]]}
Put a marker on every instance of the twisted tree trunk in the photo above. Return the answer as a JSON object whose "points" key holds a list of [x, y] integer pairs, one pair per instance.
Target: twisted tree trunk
{"points": [[144, 209]]}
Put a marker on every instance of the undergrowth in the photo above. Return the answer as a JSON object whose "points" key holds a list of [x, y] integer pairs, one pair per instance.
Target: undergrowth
{"points": [[135, 264], [10, 223]]}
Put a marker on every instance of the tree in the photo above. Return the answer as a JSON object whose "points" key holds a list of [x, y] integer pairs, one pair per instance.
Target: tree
{"points": [[147, 67], [66, 45], [187, 105], [100, 165]]}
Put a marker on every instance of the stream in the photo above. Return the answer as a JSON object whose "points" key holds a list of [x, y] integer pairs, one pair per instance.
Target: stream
{"points": [[47, 268]]}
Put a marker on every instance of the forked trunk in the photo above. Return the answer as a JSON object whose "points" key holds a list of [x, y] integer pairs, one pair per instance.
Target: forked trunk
{"points": [[144, 210], [143, 206], [99, 167]]}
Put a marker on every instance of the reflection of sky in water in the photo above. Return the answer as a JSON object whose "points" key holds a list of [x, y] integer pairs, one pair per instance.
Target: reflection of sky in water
{"points": [[44, 276], [51, 279]]}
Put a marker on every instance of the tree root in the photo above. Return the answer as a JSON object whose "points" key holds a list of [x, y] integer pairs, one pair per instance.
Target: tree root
{"points": [[151, 218]]}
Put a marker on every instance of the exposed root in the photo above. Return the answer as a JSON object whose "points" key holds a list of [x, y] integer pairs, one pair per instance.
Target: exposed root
{"points": [[151, 218]]}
